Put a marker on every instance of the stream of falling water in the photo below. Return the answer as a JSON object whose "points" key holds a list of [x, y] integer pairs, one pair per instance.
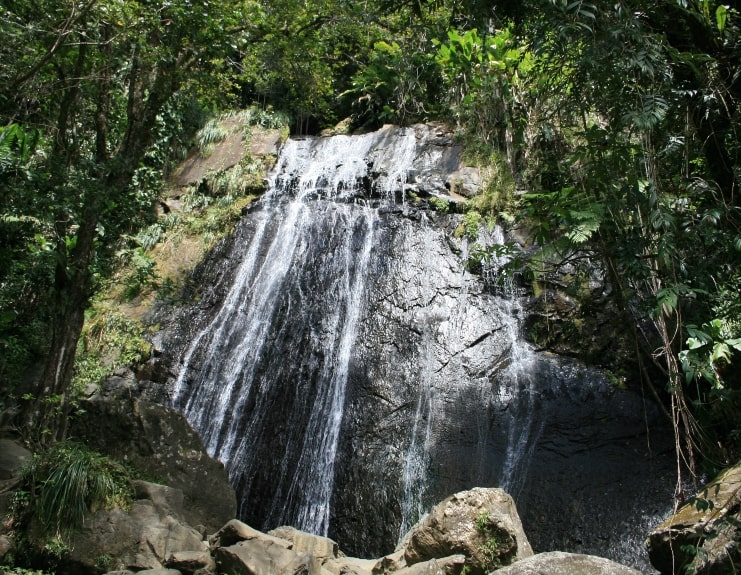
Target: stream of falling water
{"points": [[515, 391], [310, 216], [518, 391], [351, 360], [417, 461]]}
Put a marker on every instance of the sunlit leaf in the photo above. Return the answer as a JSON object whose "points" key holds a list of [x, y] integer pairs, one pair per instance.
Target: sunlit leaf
{"points": [[721, 15]]}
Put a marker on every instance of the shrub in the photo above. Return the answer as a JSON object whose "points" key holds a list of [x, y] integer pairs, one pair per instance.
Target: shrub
{"points": [[66, 481]]}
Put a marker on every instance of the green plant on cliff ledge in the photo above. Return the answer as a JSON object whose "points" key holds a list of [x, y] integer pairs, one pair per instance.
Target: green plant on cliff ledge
{"points": [[494, 553], [65, 482], [58, 488], [109, 340]]}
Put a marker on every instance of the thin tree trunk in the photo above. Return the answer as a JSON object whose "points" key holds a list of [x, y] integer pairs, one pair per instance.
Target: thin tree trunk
{"points": [[47, 420]]}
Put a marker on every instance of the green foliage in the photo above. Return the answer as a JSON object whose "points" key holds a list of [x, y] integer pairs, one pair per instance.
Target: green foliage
{"points": [[486, 77], [493, 553], [97, 102], [13, 570], [212, 133], [708, 353], [141, 273], [629, 165], [63, 484], [496, 199], [394, 86], [109, 341], [439, 204], [469, 227], [482, 521], [104, 562]]}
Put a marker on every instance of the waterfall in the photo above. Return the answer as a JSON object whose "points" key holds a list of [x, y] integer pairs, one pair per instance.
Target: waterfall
{"points": [[519, 390], [312, 215], [350, 371]]}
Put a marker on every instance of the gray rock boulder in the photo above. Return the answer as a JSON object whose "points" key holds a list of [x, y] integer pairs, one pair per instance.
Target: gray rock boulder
{"points": [[12, 458], [7, 545], [466, 181], [160, 442], [391, 562], [189, 562], [264, 557], [349, 566], [452, 565], [559, 563], [322, 548], [138, 539], [234, 531], [481, 524], [702, 537]]}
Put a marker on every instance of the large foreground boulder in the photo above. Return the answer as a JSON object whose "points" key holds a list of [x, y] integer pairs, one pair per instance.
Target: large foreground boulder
{"points": [[703, 536], [144, 537], [482, 524], [264, 557], [161, 443], [559, 563], [241, 550], [323, 548]]}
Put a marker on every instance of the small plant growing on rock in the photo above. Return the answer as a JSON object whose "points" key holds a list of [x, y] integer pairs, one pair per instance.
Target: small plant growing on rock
{"points": [[439, 204], [59, 487], [497, 548]]}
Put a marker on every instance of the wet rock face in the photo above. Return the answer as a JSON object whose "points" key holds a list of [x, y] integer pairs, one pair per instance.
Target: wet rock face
{"points": [[341, 330], [702, 537], [444, 395], [158, 441]]}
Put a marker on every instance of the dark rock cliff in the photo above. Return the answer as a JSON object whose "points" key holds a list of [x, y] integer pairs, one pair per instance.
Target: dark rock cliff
{"points": [[349, 371]]}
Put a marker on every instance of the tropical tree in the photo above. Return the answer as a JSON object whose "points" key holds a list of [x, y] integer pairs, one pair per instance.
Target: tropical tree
{"points": [[634, 160], [93, 80]]}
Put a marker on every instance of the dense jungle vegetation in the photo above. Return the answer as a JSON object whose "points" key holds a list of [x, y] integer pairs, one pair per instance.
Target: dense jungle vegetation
{"points": [[616, 121]]}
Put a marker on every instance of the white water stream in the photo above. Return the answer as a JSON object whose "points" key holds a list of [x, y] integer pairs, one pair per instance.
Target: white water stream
{"points": [[315, 183]]}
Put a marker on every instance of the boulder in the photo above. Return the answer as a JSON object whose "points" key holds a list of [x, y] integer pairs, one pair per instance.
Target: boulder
{"points": [[235, 532], [452, 565], [7, 546], [393, 561], [322, 548], [235, 147], [12, 458], [481, 524], [188, 562], [702, 537], [349, 566], [465, 181], [140, 539], [161, 443], [264, 557], [559, 563]]}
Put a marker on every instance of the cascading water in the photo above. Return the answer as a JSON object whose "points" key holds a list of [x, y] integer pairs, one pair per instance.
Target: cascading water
{"points": [[301, 280], [350, 372], [519, 388]]}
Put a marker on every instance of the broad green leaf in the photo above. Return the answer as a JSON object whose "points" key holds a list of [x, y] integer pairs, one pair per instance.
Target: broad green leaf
{"points": [[735, 343], [694, 343], [721, 16], [667, 301]]}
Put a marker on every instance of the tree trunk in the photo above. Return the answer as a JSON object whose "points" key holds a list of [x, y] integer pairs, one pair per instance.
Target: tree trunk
{"points": [[47, 419]]}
